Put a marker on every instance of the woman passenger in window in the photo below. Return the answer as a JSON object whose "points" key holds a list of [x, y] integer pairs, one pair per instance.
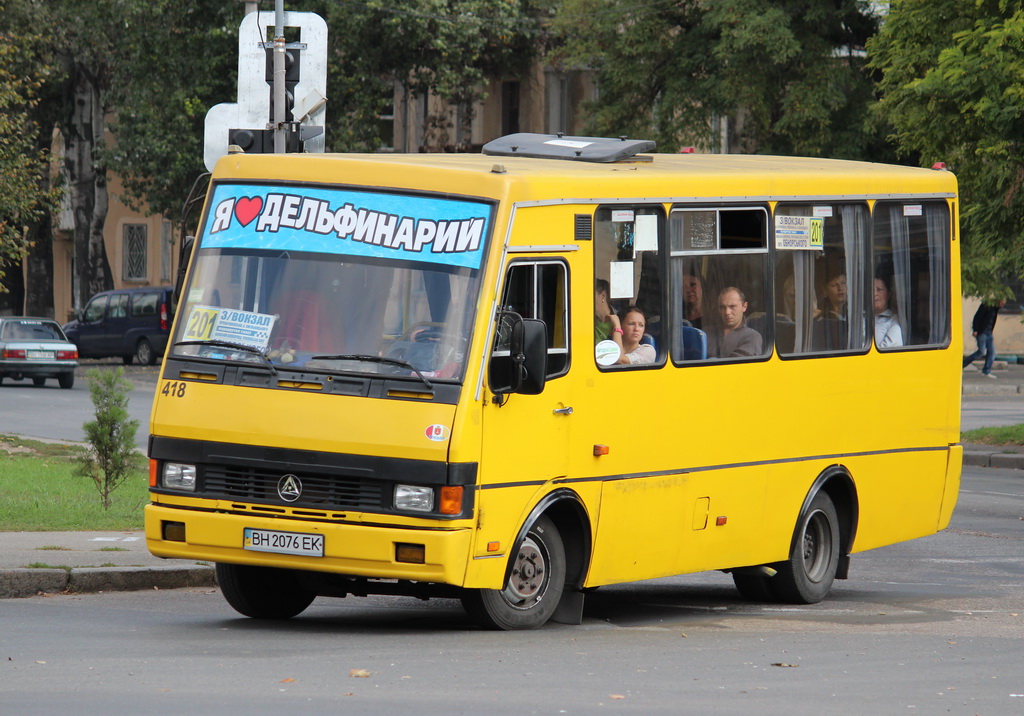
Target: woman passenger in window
{"points": [[693, 299], [634, 323], [888, 333]]}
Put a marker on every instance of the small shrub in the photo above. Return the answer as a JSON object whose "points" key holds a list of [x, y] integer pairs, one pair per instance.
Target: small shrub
{"points": [[111, 457]]}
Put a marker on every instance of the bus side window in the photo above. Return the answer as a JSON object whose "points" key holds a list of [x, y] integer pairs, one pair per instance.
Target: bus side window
{"points": [[822, 286], [537, 289], [911, 266], [719, 280], [628, 291]]}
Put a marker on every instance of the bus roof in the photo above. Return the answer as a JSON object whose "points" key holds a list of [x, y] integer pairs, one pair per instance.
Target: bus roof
{"points": [[655, 176]]}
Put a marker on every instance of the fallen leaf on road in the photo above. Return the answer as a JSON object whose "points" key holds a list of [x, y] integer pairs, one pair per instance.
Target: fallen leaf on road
{"points": [[287, 681], [616, 696], [359, 673]]}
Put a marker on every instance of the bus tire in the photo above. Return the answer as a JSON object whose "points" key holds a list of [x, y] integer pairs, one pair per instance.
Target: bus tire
{"points": [[535, 585], [807, 576], [263, 592]]}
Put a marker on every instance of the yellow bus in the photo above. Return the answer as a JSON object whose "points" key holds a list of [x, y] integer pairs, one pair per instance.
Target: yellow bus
{"points": [[562, 363]]}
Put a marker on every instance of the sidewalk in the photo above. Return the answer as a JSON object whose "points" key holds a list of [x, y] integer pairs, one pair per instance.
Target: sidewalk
{"points": [[48, 562]]}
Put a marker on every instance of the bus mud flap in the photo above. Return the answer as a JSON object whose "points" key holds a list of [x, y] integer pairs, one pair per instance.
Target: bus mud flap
{"points": [[570, 608]]}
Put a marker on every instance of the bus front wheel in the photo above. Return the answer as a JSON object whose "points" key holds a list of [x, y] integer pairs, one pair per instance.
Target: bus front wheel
{"points": [[263, 592], [807, 576], [534, 586]]}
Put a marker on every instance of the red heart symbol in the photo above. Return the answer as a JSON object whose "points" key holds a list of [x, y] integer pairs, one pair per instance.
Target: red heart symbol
{"points": [[247, 209]]}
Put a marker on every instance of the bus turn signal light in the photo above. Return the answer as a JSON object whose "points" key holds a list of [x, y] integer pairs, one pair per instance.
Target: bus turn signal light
{"points": [[600, 450], [410, 553], [451, 500]]}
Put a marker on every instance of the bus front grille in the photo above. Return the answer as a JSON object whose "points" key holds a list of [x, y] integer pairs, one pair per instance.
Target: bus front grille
{"points": [[329, 492]]}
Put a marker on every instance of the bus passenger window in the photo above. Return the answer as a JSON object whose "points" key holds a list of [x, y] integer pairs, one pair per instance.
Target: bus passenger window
{"points": [[628, 326], [911, 266], [718, 289], [821, 282]]}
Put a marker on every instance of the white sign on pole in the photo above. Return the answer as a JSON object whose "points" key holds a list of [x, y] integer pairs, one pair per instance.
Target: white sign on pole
{"points": [[252, 111]]}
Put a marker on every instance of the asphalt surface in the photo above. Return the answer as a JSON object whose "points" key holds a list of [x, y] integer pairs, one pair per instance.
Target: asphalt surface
{"points": [[47, 562]]}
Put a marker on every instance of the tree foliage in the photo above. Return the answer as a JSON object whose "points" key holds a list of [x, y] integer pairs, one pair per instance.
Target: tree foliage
{"points": [[953, 89], [26, 195], [788, 75], [171, 63], [447, 48]]}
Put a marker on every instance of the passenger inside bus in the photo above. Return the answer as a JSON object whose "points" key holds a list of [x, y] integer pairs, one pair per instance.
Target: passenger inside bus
{"points": [[736, 338], [830, 321], [888, 333], [693, 299], [635, 351]]}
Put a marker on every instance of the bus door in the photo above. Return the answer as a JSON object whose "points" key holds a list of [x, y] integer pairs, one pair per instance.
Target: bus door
{"points": [[526, 437]]}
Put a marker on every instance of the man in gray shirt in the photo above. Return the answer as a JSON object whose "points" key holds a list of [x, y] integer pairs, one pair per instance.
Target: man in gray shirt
{"points": [[737, 338]]}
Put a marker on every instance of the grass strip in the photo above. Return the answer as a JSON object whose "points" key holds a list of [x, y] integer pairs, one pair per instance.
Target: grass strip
{"points": [[40, 492]]}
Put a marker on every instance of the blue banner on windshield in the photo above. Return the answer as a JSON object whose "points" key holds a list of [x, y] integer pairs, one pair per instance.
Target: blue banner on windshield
{"points": [[353, 223]]}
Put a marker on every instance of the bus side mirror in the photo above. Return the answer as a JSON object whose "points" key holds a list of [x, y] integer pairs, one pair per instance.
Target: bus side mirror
{"points": [[523, 367]]}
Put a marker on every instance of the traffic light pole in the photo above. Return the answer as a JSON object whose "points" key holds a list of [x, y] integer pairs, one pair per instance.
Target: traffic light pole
{"points": [[279, 72]]}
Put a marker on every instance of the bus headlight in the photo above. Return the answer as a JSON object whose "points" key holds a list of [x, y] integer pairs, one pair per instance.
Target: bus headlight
{"points": [[178, 476], [414, 498]]}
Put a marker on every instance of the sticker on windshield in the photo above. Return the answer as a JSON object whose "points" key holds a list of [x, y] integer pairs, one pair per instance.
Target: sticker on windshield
{"points": [[337, 221], [247, 328]]}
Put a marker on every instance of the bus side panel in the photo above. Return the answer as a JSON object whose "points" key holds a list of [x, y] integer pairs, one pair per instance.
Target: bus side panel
{"points": [[900, 496]]}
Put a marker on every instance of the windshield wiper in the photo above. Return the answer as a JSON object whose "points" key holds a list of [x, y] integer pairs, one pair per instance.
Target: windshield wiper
{"points": [[235, 346], [376, 359]]}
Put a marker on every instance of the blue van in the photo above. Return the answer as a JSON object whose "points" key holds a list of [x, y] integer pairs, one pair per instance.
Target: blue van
{"points": [[132, 323]]}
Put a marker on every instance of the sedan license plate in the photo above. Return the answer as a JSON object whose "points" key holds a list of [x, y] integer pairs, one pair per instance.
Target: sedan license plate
{"points": [[284, 542], [39, 355]]}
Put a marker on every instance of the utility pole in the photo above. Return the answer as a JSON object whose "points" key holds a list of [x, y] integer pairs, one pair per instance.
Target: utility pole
{"points": [[279, 70]]}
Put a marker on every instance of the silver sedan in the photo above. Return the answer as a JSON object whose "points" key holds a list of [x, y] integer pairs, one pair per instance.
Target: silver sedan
{"points": [[36, 348]]}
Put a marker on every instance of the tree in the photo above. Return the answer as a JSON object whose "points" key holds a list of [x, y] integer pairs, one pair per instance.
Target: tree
{"points": [[953, 89], [172, 62], [26, 195], [444, 48], [111, 458], [784, 77]]}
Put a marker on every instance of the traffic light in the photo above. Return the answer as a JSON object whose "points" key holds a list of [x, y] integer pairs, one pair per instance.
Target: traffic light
{"points": [[292, 73]]}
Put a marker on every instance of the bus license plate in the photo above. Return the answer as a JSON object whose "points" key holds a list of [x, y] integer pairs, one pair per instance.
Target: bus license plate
{"points": [[284, 542]]}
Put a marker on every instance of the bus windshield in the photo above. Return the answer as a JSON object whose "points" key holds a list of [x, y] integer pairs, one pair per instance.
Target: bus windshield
{"points": [[368, 300]]}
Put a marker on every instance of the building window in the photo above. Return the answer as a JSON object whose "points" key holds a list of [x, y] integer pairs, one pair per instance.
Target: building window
{"points": [[135, 245]]}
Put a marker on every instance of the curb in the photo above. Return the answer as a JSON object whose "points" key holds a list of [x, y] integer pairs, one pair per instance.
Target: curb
{"points": [[993, 458], [17, 583]]}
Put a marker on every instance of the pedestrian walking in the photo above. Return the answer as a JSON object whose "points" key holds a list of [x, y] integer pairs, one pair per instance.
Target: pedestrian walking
{"points": [[981, 327]]}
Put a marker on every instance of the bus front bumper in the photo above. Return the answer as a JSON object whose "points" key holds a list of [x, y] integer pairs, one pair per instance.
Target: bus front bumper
{"points": [[350, 549]]}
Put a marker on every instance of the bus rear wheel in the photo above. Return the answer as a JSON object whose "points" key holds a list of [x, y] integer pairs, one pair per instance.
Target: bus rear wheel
{"points": [[807, 576], [534, 586], [263, 592]]}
